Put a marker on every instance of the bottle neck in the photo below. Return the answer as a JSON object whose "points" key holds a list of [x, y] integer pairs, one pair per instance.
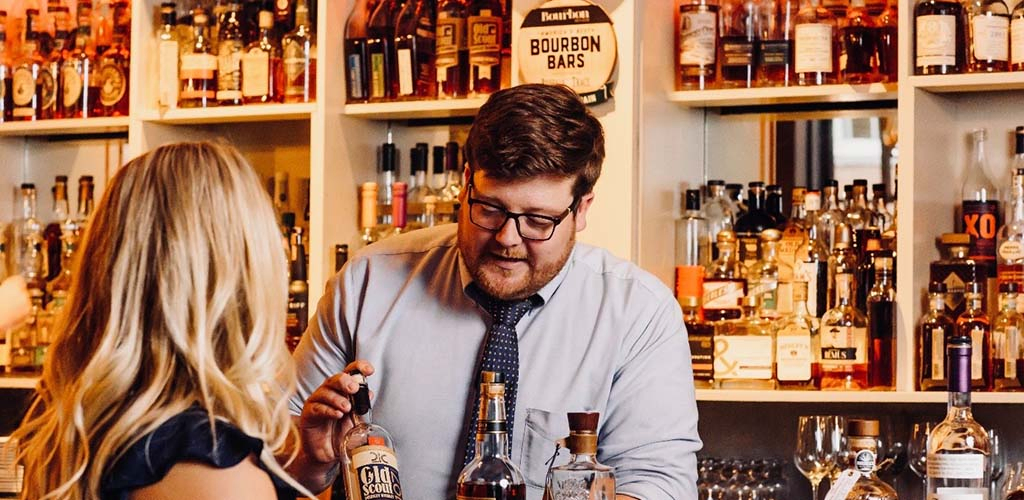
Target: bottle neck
{"points": [[937, 302], [959, 406], [797, 213], [958, 253], [974, 303], [769, 251], [1008, 302], [28, 205]]}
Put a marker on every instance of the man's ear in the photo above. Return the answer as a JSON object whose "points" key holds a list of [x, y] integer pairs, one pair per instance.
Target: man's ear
{"points": [[581, 211]]}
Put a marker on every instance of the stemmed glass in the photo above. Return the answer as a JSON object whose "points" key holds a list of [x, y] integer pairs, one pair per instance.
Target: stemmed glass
{"points": [[998, 462], [818, 441], [917, 450]]}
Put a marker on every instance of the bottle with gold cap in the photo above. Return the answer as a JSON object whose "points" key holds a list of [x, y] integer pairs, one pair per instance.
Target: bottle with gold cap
{"points": [[724, 282], [862, 437], [583, 476], [368, 213], [491, 474], [370, 467], [701, 335], [770, 279]]}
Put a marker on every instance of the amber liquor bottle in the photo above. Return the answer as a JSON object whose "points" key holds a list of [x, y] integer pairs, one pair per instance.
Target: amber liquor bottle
{"points": [[697, 43], [859, 36], [299, 49], [815, 47], [775, 65], [380, 51], [262, 74], [5, 74], [415, 50], [113, 65], [1007, 327], [356, 62], [452, 50], [483, 29], [298, 290], [230, 48], [198, 66], [24, 96], [988, 26], [739, 43], [881, 306], [51, 105], [888, 46], [701, 335], [940, 37], [935, 327], [974, 324], [491, 474], [79, 80]]}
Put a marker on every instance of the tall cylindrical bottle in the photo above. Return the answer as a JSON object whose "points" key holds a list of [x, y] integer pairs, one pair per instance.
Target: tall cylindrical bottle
{"points": [[980, 213], [697, 43]]}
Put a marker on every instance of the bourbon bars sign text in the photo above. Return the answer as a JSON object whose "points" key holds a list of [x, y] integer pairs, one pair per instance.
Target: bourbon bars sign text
{"points": [[571, 42]]}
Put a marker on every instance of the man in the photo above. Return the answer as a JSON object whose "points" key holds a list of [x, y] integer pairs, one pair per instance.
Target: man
{"points": [[598, 333]]}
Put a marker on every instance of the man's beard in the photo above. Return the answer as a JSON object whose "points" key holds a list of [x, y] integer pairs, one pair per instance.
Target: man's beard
{"points": [[500, 288]]}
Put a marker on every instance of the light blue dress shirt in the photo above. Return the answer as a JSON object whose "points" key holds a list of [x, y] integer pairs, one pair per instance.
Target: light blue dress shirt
{"points": [[608, 338]]}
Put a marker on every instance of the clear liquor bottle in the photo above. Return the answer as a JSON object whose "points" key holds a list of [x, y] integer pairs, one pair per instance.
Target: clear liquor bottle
{"points": [[1007, 327], [955, 270], [298, 291], [934, 330], [113, 64], [449, 194], [974, 324], [368, 452], [939, 37], [794, 230], [85, 204], [52, 232], [1010, 239], [735, 194], [858, 214], [798, 345], [697, 43], [718, 211], [583, 476], [771, 280], [168, 50], [738, 44], [724, 283], [230, 47], [299, 49], [888, 23], [483, 32], [842, 260], [452, 49], [745, 350], [380, 51], [415, 50], [491, 474], [815, 45], [25, 75], [980, 208], [812, 259], [387, 175], [357, 65], [863, 445], [830, 214], [881, 302], [693, 248], [859, 36], [775, 64], [198, 66], [988, 25], [701, 336], [958, 447], [438, 177], [880, 215], [844, 341], [262, 71], [419, 188], [1017, 38]]}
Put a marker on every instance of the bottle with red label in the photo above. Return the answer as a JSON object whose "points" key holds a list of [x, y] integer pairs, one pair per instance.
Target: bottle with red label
{"points": [[980, 213]]}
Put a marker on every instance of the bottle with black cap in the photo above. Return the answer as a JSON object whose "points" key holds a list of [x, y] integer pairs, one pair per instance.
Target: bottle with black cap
{"points": [[974, 324], [491, 474], [1007, 327], [367, 451], [583, 476], [387, 176], [934, 329], [693, 248], [749, 225]]}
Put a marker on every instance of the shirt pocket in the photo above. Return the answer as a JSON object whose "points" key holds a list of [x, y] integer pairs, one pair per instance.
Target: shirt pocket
{"points": [[543, 430]]}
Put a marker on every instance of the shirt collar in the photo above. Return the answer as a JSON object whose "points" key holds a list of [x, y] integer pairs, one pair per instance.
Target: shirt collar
{"points": [[544, 293]]}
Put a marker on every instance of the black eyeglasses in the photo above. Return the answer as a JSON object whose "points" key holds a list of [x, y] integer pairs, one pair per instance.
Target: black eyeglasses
{"points": [[533, 227]]}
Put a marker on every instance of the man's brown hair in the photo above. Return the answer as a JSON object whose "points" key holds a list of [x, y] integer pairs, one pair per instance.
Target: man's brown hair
{"points": [[535, 129]]}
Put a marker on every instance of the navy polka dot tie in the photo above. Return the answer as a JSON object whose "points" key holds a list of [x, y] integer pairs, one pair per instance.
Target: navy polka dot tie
{"points": [[501, 354]]}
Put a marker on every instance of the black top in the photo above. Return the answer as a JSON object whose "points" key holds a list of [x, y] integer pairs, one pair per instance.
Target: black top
{"points": [[185, 437]]}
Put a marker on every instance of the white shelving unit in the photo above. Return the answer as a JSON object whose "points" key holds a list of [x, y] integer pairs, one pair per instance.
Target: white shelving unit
{"points": [[77, 126], [411, 110], [18, 381], [783, 95]]}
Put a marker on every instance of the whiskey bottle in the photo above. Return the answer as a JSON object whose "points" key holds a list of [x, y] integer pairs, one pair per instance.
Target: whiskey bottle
{"points": [[368, 212], [357, 65], [483, 28], [51, 105], [934, 330], [981, 214], [368, 453], [870, 249], [701, 335], [387, 176], [749, 225], [113, 64], [817, 60], [298, 291], [988, 25], [844, 340], [452, 50], [773, 204], [842, 261], [745, 350], [230, 47], [79, 80], [85, 204], [735, 194], [859, 36], [198, 66], [775, 65], [168, 50], [299, 48], [724, 284], [769, 279], [491, 474], [973, 323], [959, 451], [1017, 38], [415, 49], [888, 47], [881, 304], [24, 78], [797, 345], [738, 44], [955, 270], [53, 231], [380, 51], [583, 476], [697, 41], [794, 231], [863, 438], [812, 265], [262, 73], [1007, 327], [939, 37], [419, 188], [1010, 240], [880, 215], [692, 247]]}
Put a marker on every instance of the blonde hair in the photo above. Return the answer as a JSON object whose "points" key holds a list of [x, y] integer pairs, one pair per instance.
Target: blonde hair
{"points": [[178, 300]]}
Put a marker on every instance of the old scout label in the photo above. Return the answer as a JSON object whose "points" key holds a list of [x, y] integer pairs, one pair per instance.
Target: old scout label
{"points": [[374, 469]]}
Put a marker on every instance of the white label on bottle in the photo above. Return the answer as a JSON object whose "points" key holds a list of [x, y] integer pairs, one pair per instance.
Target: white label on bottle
{"points": [[198, 66], [1011, 249], [793, 353], [766, 289], [956, 466], [990, 37], [938, 354], [936, 40], [743, 356], [843, 346], [959, 494], [167, 52], [1008, 351], [1017, 40], [977, 354], [23, 86], [722, 294], [813, 48], [809, 273], [256, 73], [697, 38], [376, 472], [784, 298], [405, 72], [843, 485], [73, 84]]}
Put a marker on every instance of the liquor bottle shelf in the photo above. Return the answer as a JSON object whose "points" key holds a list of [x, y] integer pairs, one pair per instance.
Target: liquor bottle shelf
{"points": [[972, 82], [8, 381], [782, 396], [231, 114], [411, 110], [717, 98], [70, 126]]}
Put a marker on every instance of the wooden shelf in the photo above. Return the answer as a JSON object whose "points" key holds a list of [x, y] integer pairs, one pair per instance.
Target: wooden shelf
{"points": [[8, 381], [231, 114], [782, 396], [411, 110], [973, 82], [719, 98], [70, 126]]}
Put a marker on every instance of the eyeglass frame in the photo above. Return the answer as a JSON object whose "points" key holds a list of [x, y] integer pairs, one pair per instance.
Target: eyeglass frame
{"points": [[555, 220]]}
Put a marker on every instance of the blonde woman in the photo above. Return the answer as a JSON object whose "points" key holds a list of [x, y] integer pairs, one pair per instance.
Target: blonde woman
{"points": [[169, 376]]}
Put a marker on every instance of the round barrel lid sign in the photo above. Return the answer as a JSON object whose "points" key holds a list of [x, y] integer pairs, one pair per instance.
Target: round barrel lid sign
{"points": [[571, 42]]}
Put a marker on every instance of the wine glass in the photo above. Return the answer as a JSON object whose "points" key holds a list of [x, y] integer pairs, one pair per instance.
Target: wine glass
{"points": [[816, 448], [917, 449], [997, 464]]}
